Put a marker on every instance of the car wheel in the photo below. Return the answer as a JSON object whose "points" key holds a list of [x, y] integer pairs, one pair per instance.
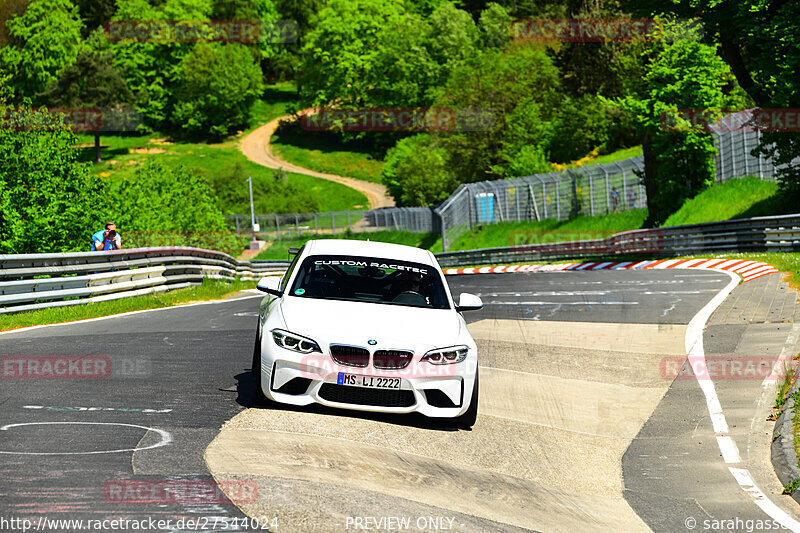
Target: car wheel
{"points": [[258, 394], [467, 420]]}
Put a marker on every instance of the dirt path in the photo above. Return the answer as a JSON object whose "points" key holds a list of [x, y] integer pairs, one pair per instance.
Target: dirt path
{"points": [[256, 148]]}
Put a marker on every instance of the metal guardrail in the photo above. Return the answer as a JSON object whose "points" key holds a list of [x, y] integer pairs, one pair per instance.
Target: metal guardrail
{"points": [[38, 281], [760, 234]]}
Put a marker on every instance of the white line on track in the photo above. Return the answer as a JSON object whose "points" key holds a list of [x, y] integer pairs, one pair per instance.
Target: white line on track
{"points": [[730, 453], [166, 437]]}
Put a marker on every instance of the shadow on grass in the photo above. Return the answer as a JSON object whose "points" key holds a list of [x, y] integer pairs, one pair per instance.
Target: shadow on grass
{"points": [[777, 204]]}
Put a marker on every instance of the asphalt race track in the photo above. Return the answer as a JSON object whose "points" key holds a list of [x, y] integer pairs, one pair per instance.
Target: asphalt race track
{"points": [[581, 426]]}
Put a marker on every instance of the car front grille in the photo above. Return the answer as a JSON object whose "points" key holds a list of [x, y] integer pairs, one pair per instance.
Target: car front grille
{"points": [[350, 355], [391, 359], [365, 396]]}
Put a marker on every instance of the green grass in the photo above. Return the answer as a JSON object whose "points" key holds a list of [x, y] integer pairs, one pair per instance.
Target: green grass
{"points": [[549, 230], [225, 167], [619, 155], [209, 290], [221, 163], [325, 152], [737, 198], [273, 104], [427, 241]]}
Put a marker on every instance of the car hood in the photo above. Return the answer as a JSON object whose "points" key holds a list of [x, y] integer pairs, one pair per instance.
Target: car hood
{"points": [[355, 323]]}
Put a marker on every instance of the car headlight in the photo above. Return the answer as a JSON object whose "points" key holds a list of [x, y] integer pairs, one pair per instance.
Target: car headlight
{"points": [[446, 356], [294, 342]]}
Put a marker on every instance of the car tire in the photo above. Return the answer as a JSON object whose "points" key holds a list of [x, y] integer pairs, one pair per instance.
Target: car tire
{"points": [[467, 420], [258, 394]]}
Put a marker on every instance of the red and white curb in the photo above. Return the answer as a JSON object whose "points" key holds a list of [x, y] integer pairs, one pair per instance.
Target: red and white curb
{"points": [[747, 270]]}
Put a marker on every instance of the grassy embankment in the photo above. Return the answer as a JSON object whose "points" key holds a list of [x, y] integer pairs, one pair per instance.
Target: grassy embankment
{"points": [[209, 290], [327, 153], [225, 167]]}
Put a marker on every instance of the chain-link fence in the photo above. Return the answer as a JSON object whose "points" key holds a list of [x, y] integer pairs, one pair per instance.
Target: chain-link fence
{"points": [[735, 160], [585, 190], [590, 190], [283, 226]]}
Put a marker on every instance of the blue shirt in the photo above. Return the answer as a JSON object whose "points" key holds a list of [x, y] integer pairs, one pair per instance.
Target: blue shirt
{"points": [[98, 237]]}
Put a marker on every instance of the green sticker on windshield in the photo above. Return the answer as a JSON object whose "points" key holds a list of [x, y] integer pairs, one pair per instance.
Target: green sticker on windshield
{"points": [[300, 292]]}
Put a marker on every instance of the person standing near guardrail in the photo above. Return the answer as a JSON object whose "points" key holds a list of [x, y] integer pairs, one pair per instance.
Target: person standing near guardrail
{"points": [[107, 239]]}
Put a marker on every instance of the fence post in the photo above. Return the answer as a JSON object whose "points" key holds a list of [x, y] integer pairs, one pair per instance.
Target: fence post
{"points": [[608, 202], [348, 219], [296, 224], [277, 228], [558, 202], [442, 229], [591, 193], [733, 158], [746, 154], [333, 223], [316, 226], [544, 197], [237, 225]]}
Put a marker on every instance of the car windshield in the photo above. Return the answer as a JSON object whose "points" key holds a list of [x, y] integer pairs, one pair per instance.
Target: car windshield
{"points": [[370, 279]]}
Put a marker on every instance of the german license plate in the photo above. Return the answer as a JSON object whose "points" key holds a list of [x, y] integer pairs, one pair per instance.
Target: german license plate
{"points": [[371, 382]]}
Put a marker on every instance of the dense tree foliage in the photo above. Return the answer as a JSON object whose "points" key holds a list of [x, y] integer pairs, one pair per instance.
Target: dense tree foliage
{"points": [[49, 202], [91, 81], [680, 73], [44, 39], [218, 84]]}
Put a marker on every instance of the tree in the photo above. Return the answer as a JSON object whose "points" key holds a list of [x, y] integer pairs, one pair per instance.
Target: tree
{"points": [[95, 13], [416, 172], [516, 91], [680, 73], [452, 38], [151, 68], [43, 40], [494, 26], [364, 53], [49, 202], [760, 41], [219, 83], [91, 81], [160, 206]]}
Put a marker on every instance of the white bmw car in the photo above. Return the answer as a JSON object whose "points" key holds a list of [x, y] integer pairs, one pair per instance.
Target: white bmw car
{"points": [[368, 326]]}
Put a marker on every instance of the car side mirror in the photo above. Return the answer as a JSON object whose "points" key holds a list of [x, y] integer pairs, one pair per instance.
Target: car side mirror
{"points": [[270, 285], [468, 302]]}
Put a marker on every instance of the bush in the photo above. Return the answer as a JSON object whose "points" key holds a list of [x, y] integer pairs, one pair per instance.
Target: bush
{"points": [[416, 172], [219, 83], [49, 201], [160, 206]]}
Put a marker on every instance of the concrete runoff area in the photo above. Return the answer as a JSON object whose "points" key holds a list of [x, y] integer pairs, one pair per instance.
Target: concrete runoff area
{"points": [[581, 426]]}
